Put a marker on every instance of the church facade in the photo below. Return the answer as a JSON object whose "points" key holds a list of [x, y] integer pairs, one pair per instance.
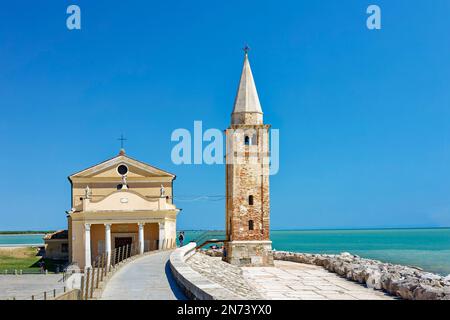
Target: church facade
{"points": [[121, 201], [247, 179]]}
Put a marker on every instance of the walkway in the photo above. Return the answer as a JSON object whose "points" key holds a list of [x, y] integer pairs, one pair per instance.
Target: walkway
{"points": [[24, 286], [146, 278], [297, 281]]}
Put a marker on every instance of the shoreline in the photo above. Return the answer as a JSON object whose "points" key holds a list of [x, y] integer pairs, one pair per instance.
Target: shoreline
{"points": [[20, 245], [406, 282]]}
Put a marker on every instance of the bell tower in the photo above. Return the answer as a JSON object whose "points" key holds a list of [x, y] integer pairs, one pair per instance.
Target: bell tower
{"points": [[247, 179]]}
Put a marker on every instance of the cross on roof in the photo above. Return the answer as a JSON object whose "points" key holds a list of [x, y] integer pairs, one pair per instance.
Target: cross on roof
{"points": [[122, 139], [246, 49]]}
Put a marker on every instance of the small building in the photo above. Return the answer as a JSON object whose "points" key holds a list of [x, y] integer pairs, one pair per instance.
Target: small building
{"points": [[121, 201], [57, 245]]}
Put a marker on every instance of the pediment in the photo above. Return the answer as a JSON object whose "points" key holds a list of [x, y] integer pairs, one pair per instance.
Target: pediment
{"points": [[108, 169]]}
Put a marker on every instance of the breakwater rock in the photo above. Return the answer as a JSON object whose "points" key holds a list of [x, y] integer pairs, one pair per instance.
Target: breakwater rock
{"points": [[406, 282]]}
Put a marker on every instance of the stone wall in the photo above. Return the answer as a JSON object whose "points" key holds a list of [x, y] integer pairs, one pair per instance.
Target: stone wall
{"points": [[406, 282]]}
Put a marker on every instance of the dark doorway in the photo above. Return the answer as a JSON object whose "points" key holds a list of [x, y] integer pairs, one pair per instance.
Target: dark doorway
{"points": [[122, 241], [125, 243]]}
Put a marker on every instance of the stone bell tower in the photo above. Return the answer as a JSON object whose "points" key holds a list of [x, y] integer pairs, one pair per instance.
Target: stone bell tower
{"points": [[247, 179]]}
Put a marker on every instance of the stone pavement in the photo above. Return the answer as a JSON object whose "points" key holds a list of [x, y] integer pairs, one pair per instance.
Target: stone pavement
{"points": [[146, 278], [297, 281], [228, 276], [22, 287]]}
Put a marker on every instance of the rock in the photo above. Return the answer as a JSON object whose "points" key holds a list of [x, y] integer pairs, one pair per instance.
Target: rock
{"points": [[374, 280], [430, 276], [426, 292], [346, 254], [405, 288]]}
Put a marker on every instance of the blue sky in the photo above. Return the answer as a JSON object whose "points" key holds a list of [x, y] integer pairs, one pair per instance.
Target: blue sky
{"points": [[363, 115]]}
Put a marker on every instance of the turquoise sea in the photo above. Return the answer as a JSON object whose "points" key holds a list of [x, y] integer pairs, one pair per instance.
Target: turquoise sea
{"points": [[425, 248], [428, 249], [21, 239]]}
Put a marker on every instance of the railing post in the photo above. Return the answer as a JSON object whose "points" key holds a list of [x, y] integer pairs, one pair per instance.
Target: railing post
{"points": [[112, 257], [32, 297], [98, 274], [54, 293], [108, 259], [118, 256], [87, 285], [45, 295], [101, 267], [123, 253], [106, 265], [81, 287], [92, 279]]}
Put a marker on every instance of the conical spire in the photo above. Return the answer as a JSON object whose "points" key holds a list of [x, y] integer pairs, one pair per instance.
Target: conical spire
{"points": [[247, 100]]}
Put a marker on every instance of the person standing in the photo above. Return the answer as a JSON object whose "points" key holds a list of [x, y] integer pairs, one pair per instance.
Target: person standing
{"points": [[181, 238]]}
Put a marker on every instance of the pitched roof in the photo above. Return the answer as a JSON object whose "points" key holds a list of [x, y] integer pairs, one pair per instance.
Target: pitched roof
{"points": [[121, 158], [60, 234], [247, 97]]}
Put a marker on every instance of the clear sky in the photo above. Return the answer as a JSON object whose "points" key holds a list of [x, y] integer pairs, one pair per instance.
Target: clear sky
{"points": [[363, 115]]}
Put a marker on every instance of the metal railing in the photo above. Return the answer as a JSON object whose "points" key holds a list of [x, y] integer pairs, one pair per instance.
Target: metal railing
{"points": [[45, 295], [92, 277], [209, 237]]}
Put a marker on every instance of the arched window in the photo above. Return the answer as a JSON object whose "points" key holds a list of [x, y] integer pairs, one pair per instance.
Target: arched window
{"points": [[250, 200], [250, 225], [247, 140]]}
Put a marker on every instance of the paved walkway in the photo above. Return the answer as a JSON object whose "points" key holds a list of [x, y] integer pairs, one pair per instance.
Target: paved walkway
{"points": [[22, 287], [146, 278], [297, 281]]}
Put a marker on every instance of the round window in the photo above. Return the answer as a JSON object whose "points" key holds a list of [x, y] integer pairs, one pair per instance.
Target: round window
{"points": [[122, 169]]}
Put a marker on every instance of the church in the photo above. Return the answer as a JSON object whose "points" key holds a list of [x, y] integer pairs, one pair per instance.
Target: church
{"points": [[121, 201]]}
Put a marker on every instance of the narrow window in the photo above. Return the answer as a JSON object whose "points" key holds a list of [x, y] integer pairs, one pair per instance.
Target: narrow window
{"points": [[247, 140], [250, 200], [250, 224]]}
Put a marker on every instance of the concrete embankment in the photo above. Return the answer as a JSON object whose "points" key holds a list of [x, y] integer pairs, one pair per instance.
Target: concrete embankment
{"points": [[402, 281], [204, 277], [195, 285]]}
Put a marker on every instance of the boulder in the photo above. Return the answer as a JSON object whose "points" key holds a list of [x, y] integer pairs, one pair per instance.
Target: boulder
{"points": [[374, 279], [426, 292]]}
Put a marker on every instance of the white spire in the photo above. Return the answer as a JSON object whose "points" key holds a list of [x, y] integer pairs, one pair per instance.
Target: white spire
{"points": [[247, 100]]}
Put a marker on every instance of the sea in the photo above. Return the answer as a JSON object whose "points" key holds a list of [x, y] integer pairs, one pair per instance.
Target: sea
{"points": [[428, 249]]}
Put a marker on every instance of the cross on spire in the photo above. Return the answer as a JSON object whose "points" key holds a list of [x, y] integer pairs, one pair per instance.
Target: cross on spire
{"points": [[246, 49], [122, 139]]}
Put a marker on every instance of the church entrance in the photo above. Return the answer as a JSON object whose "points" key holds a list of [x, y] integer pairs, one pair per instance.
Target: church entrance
{"points": [[122, 241]]}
